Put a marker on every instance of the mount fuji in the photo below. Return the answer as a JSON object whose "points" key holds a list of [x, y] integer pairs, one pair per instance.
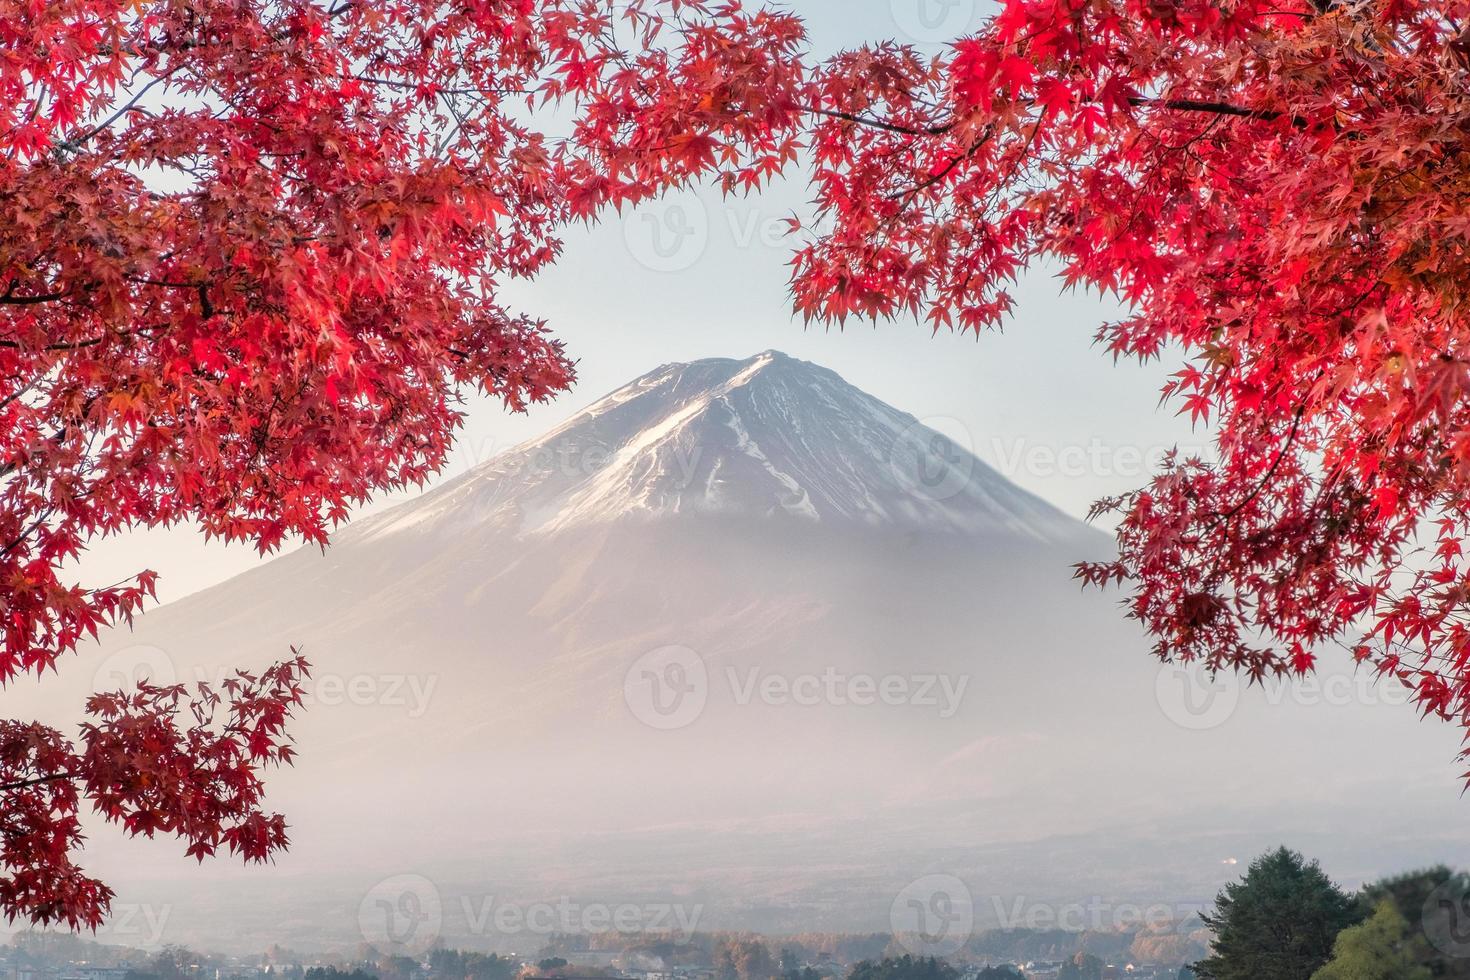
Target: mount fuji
{"points": [[742, 634], [768, 437]]}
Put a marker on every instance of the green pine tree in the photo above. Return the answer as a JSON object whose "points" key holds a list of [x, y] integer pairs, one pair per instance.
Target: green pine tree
{"points": [[905, 967], [1278, 923]]}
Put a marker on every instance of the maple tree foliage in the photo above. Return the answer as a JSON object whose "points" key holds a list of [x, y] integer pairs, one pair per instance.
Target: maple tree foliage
{"points": [[1276, 190], [250, 256], [251, 251]]}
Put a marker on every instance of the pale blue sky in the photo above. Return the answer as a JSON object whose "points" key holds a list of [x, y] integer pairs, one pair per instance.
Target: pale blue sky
{"points": [[696, 276]]}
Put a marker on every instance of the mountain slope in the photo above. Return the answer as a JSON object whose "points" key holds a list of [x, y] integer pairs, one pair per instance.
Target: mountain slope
{"points": [[717, 635]]}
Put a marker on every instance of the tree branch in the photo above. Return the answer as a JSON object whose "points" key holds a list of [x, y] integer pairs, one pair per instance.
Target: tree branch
{"points": [[9, 300], [55, 777], [1178, 105], [1219, 109], [1296, 424], [879, 123]]}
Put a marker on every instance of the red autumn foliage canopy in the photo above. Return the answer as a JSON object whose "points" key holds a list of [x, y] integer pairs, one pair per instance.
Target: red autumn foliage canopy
{"points": [[250, 252]]}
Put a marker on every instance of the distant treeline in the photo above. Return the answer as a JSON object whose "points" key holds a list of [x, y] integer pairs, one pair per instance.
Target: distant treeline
{"points": [[1284, 920], [1173, 943]]}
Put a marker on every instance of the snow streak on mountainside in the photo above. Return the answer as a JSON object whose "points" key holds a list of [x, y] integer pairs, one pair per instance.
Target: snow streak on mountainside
{"points": [[767, 436]]}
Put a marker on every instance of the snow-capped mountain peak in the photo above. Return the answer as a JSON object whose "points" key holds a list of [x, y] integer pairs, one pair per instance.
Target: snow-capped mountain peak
{"points": [[767, 437]]}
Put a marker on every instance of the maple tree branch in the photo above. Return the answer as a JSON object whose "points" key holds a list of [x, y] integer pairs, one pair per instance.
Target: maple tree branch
{"points": [[76, 141], [10, 299], [1219, 109], [1265, 481], [949, 167], [408, 86], [69, 345], [879, 123], [1178, 105], [55, 777], [22, 391]]}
